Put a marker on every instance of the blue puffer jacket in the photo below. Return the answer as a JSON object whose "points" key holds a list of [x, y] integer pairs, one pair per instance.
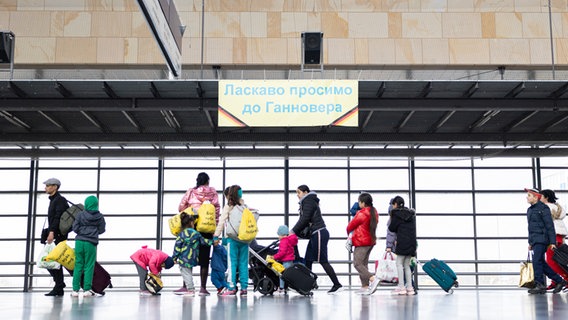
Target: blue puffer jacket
{"points": [[541, 227]]}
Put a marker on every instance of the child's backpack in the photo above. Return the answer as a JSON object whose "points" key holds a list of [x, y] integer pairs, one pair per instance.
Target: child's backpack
{"points": [[206, 221], [68, 217], [236, 224]]}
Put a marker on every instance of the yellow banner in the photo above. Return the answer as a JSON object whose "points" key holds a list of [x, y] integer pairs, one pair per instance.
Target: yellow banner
{"points": [[288, 103]]}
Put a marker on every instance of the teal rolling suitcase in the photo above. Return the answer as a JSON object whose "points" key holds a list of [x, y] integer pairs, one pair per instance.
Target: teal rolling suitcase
{"points": [[442, 274]]}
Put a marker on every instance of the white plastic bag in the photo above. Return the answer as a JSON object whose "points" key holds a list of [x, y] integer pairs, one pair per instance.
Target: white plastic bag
{"points": [[386, 269], [349, 244], [47, 264]]}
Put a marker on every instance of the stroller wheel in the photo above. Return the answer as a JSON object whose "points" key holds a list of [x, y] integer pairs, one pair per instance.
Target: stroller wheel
{"points": [[265, 286]]}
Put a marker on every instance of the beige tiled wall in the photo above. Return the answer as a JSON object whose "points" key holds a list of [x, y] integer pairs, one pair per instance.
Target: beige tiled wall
{"points": [[267, 32]]}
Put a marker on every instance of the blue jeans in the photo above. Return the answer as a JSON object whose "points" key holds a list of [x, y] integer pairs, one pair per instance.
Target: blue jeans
{"points": [[540, 266], [286, 265]]}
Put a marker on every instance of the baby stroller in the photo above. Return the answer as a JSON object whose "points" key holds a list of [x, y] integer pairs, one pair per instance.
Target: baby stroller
{"points": [[265, 279]]}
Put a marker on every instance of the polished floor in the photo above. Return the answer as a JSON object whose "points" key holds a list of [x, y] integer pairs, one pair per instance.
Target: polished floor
{"points": [[428, 304]]}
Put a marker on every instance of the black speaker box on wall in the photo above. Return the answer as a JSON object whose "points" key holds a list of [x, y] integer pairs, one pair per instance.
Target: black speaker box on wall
{"points": [[6, 39], [312, 47]]}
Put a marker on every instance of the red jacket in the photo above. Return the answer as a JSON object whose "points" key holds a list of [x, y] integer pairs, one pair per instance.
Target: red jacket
{"points": [[149, 259], [360, 226], [286, 248]]}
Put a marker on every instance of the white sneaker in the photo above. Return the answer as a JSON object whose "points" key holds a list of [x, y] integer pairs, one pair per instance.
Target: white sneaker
{"points": [[399, 291], [75, 294], [374, 285], [89, 293]]}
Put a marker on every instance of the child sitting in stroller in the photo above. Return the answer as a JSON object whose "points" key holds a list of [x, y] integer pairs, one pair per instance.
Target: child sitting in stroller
{"points": [[285, 253]]}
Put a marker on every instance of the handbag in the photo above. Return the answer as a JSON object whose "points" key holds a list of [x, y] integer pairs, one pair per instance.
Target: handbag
{"points": [[154, 283], [44, 234], [527, 273], [386, 269]]}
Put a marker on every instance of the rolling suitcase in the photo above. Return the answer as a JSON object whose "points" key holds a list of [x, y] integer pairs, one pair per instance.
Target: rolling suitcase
{"points": [[442, 274], [560, 256], [300, 278], [101, 279]]}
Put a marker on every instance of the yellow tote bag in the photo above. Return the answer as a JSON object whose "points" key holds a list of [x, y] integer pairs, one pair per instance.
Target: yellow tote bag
{"points": [[248, 228], [63, 254], [206, 218], [175, 224]]}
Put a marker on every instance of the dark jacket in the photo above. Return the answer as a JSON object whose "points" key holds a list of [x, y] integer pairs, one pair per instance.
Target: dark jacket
{"points": [[540, 225], [310, 214], [88, 225], [403, 223], [57, 205]]}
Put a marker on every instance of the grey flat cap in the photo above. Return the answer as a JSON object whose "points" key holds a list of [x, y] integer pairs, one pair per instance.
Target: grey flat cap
{"points": [[51, 181]]}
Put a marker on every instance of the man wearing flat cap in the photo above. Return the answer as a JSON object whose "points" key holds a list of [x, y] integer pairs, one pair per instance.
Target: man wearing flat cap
{"points": [[541, 237], [57, 205]]}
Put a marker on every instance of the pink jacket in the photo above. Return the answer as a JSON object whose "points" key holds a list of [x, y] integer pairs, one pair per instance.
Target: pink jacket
{"points": [[149, 259], [286, 248], [194, 197]]}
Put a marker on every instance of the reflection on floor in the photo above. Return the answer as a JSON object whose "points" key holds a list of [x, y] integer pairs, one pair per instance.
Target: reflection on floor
{"points": [[428, 304]]}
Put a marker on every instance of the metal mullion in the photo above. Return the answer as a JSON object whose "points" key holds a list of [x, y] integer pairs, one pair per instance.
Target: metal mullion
{"points": [[474, 217], [28, 266]]}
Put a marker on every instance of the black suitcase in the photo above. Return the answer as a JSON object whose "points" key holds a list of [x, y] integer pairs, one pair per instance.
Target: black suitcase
{"points": [[560, 256], [101, 279], [300, 278]]}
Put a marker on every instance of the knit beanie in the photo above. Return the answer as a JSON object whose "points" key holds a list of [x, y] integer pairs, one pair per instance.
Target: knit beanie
{"points": [[283, 230], [92, 203]]}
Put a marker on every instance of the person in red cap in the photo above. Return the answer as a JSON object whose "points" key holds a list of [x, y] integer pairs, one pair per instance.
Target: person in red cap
{"points": [[541, 237]]}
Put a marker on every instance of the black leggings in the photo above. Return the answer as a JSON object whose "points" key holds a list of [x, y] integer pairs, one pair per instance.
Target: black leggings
{"points": [[328, 269]]}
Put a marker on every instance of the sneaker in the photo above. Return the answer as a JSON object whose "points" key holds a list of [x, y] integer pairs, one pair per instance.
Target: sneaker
{"points": [[559, 286], [229, 293], [410, 292], [181, 291], [220, 291], [243, 293], [335, 288], [204, 292], [75, 294], [145, 293], [399, 291], [565, 289], [551, 286], [189, 293], [374, 285], [280, 292], [362, 291], [89, 293], [539, 289], [55, 293]]}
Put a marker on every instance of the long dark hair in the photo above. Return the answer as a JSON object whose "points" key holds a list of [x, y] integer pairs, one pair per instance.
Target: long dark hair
{"points": [[368, 201], [202, 179], [233, 195]]}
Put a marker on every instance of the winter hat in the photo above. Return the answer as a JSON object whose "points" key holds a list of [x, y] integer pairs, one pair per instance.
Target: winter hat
{"points": [[92, 203], [283, 230], [534, 191], [169, 262]]}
